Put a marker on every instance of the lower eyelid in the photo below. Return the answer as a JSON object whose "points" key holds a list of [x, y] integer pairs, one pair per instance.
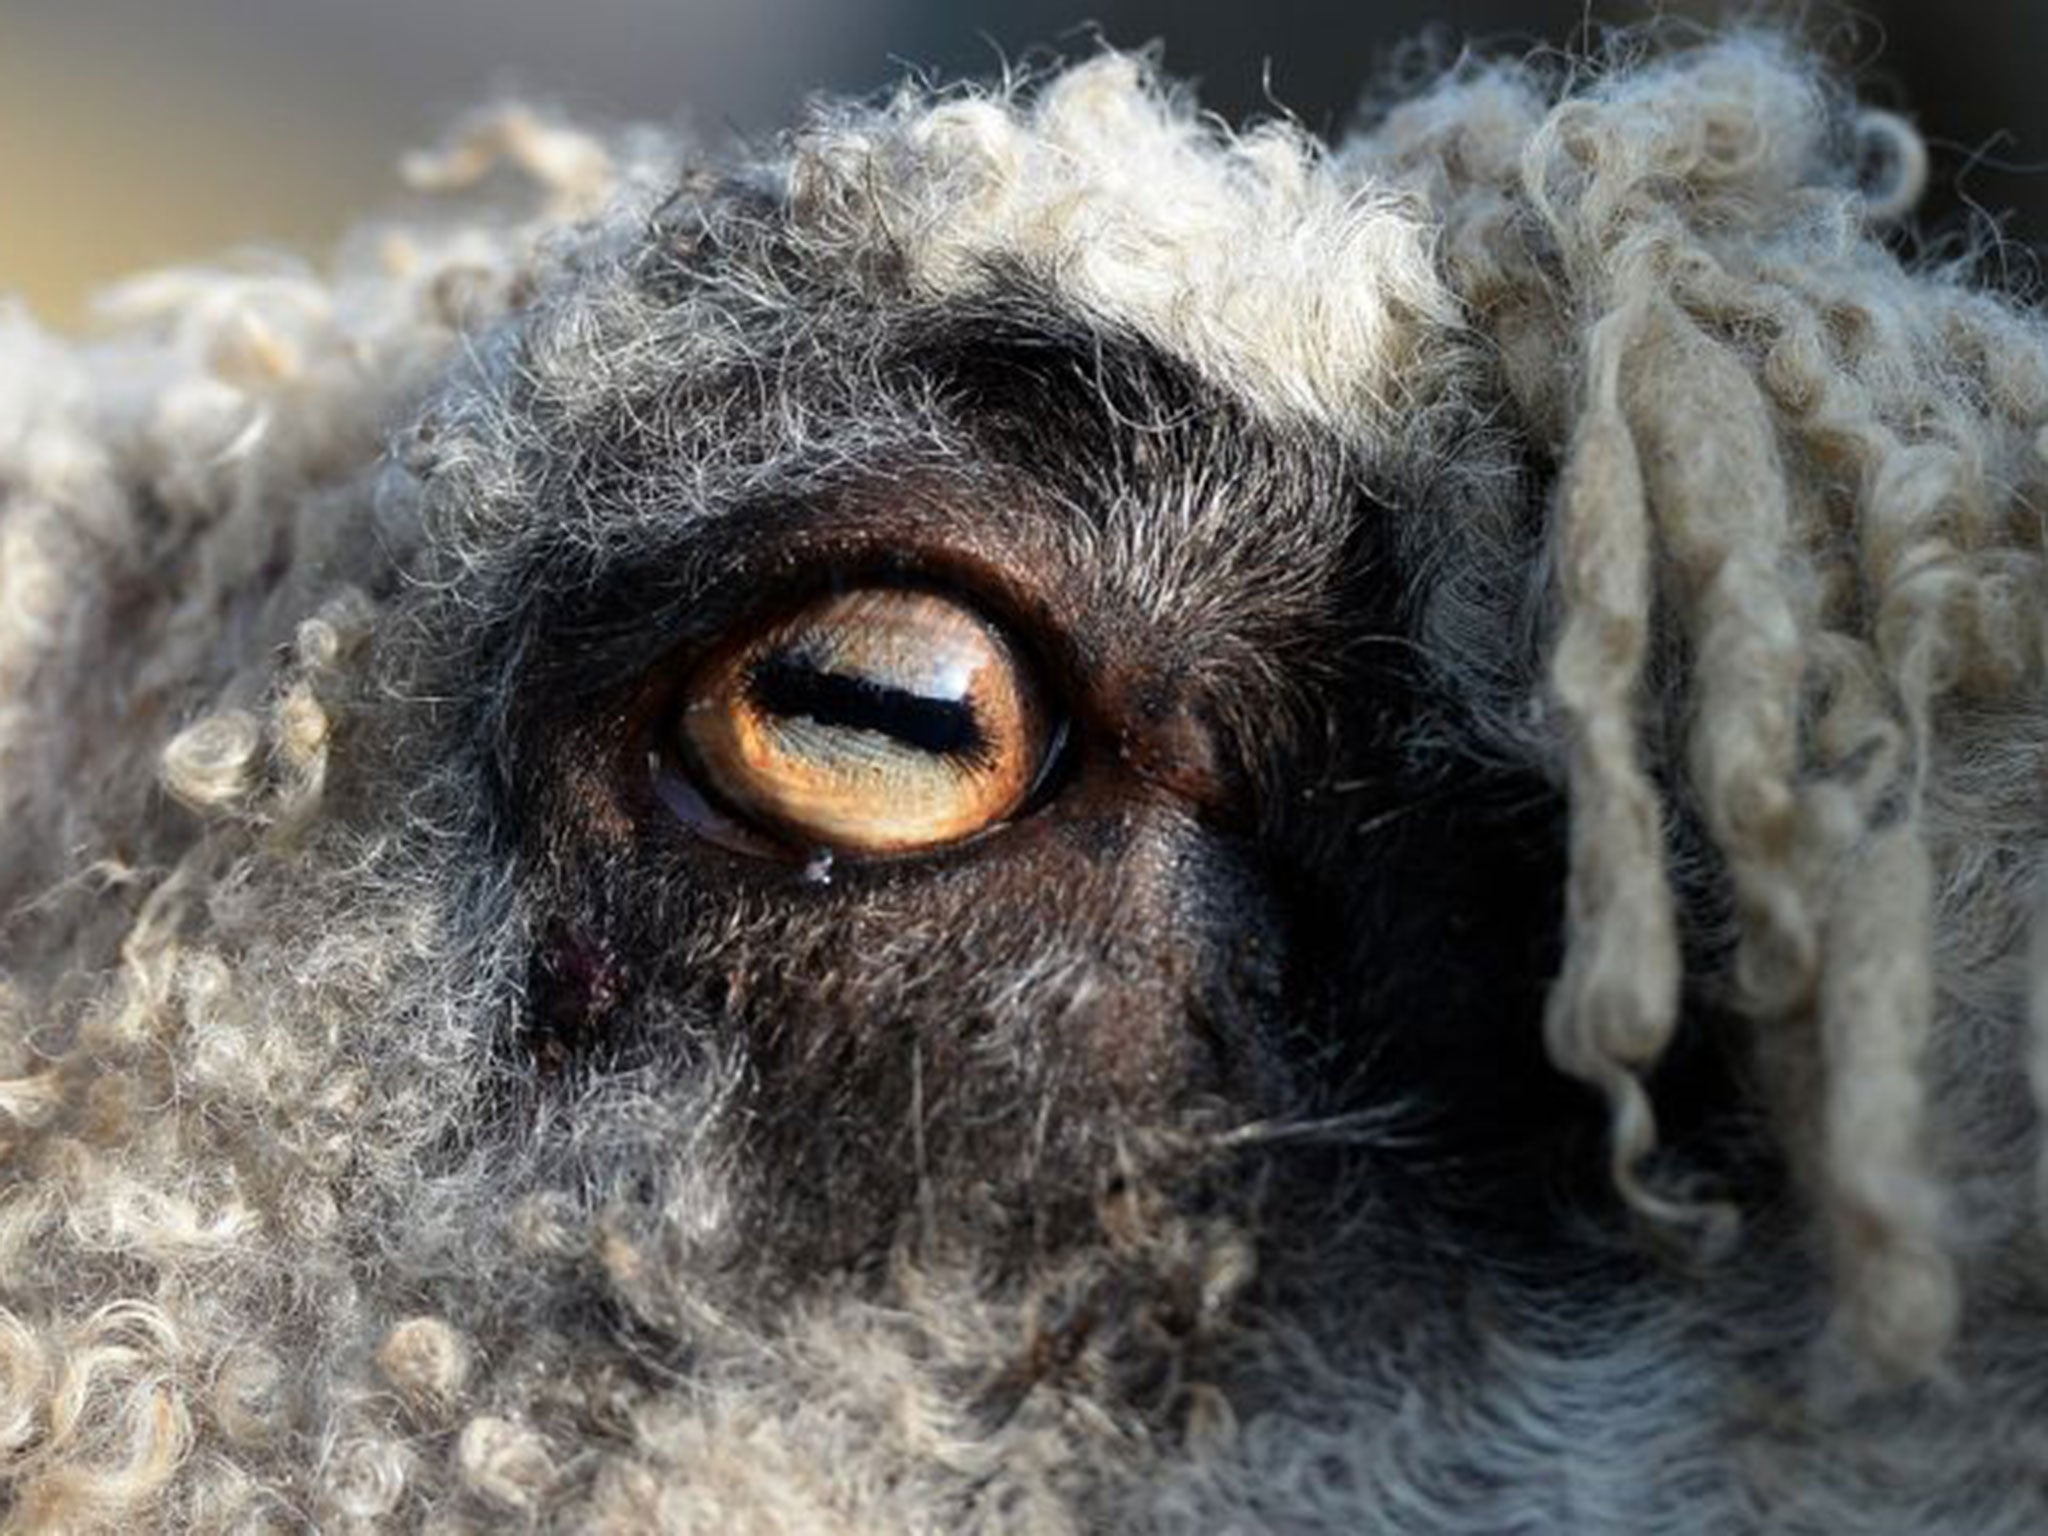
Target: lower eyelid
{"points": [[678, 792]]}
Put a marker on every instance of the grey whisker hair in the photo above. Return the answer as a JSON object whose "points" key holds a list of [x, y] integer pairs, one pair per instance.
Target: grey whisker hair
{"points": [[1387, 1127]]}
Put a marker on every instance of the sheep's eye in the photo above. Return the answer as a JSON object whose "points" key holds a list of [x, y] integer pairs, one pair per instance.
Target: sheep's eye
{"points": [[878, 720]]}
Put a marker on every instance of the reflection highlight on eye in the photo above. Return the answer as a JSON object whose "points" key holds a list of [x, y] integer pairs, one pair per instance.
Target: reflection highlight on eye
{"points": [[877, 720]]}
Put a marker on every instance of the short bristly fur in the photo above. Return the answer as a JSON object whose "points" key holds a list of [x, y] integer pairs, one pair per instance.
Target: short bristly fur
{"points": [[1559, 605]]}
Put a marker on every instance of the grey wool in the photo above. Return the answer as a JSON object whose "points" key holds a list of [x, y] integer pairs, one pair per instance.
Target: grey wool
{"points": [[1517, 999]]}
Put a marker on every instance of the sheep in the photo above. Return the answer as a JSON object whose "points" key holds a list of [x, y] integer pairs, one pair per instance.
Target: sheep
{"points": [[1489, 972]]}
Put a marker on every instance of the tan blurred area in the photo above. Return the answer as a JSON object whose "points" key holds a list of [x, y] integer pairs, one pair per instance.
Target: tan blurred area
{"points": [[110, 162], [135, 133]]}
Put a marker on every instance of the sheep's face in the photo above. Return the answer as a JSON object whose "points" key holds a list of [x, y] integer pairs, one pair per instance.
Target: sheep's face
{"points": [[964, 834], [1117, 891]]}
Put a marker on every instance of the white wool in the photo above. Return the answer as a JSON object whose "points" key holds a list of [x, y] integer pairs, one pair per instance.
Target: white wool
{"points": [[1250, 256]]}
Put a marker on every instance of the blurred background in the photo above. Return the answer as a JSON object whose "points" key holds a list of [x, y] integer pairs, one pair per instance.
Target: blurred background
{"points": [[136, 132]]}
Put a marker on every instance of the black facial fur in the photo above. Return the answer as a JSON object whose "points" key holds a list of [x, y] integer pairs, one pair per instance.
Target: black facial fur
{"points": [[1275, 884]]}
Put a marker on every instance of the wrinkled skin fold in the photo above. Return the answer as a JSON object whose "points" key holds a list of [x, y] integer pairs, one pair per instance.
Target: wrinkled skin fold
{"points": [[1516, 1006]]}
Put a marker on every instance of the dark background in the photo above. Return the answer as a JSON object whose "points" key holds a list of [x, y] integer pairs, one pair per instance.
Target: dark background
{"points": [[135, 132]]}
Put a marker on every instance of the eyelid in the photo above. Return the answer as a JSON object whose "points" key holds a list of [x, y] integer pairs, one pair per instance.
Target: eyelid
{"points": [[678, 792]]}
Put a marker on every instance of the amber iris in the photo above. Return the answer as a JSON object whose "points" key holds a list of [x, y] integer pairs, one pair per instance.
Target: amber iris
{"points": [[877, 720]]}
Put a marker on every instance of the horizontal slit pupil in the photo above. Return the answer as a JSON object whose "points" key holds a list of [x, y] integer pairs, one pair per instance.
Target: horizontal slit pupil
{"points": [[788, 688]]}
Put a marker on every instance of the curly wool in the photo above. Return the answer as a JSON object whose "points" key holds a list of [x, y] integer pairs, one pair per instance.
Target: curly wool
{"points": [[1823, 468], [1793, 687]]}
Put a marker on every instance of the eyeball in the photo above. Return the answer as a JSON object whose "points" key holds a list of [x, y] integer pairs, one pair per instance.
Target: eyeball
{"points": [[879, 720]]}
